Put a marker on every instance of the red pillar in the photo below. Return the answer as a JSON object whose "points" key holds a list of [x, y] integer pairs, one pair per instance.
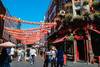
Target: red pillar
{"points": [[65, 59], [76, 53]]}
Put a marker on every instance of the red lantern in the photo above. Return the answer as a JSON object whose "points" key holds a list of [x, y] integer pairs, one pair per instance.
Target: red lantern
{"points": [[77, 37]]}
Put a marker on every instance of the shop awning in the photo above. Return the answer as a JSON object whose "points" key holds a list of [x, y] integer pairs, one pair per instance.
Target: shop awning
{"points": [[58, 40]]}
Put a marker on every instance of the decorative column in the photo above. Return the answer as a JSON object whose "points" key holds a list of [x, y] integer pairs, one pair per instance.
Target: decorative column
{"points": [[75, 51], [76, 56], [90, 50], [65, 45], [87, 47], [73, 5], [65, 55]]}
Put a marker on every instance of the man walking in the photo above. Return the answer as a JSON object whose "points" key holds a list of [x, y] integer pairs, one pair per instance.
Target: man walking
{"points": [[32, 55]]}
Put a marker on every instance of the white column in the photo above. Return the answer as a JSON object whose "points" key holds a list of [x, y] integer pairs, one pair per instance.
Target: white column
{"points": [[73, 5]]}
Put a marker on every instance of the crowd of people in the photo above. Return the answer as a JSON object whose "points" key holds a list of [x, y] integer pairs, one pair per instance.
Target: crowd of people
{"points": [[51, 56], [7, 55], [54, 57]]}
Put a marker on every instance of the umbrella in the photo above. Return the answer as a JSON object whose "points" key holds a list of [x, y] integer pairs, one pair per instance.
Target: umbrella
{"points": [[7, 44]]}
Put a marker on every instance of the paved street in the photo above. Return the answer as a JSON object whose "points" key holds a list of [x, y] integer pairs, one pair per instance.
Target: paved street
{"points": [[55, 28], [39, 63]]}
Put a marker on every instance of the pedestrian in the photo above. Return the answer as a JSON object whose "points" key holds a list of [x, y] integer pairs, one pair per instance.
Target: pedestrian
{"points": [[27, 54], [1, 63], [5, 58], [32, 55], [19, 54], [53, 56], [12, 53], [47, 58], [8, 50], [60, 58], [23, 53], [41, 51]]}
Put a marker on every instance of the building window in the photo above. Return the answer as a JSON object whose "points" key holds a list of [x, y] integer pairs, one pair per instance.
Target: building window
{"points": [[97, 0], [66, 1], [60, 4], [78, 12]]}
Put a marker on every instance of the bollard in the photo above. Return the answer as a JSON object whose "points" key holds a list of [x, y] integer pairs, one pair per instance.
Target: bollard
{"points": [[65, 59]]}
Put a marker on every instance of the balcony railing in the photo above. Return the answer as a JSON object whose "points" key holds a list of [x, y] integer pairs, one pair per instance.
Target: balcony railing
{"points": [[96, 5], [68, 5], [85, 3]]}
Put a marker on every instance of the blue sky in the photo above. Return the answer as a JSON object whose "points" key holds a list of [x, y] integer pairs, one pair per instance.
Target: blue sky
{"points": [[30, 10]]}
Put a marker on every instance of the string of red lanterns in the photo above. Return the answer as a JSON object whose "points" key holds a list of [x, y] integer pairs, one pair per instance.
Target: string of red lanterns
{"points": [[24, 21], [27, 37], [24, 35]]}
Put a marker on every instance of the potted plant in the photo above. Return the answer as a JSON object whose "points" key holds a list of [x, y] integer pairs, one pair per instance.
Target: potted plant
{"points": [[85, 3], [68, 5], [96, 16], [96, 5], [78, 18], [87, 16], [68, 17]]}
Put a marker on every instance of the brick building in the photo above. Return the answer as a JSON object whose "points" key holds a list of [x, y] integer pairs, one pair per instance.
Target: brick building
{"points": [[4, 35], [2, 11]]}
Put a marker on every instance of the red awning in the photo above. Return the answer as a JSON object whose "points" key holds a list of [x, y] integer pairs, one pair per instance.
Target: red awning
{"points": [[97, 31], [77, 37], [58, 40]]}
